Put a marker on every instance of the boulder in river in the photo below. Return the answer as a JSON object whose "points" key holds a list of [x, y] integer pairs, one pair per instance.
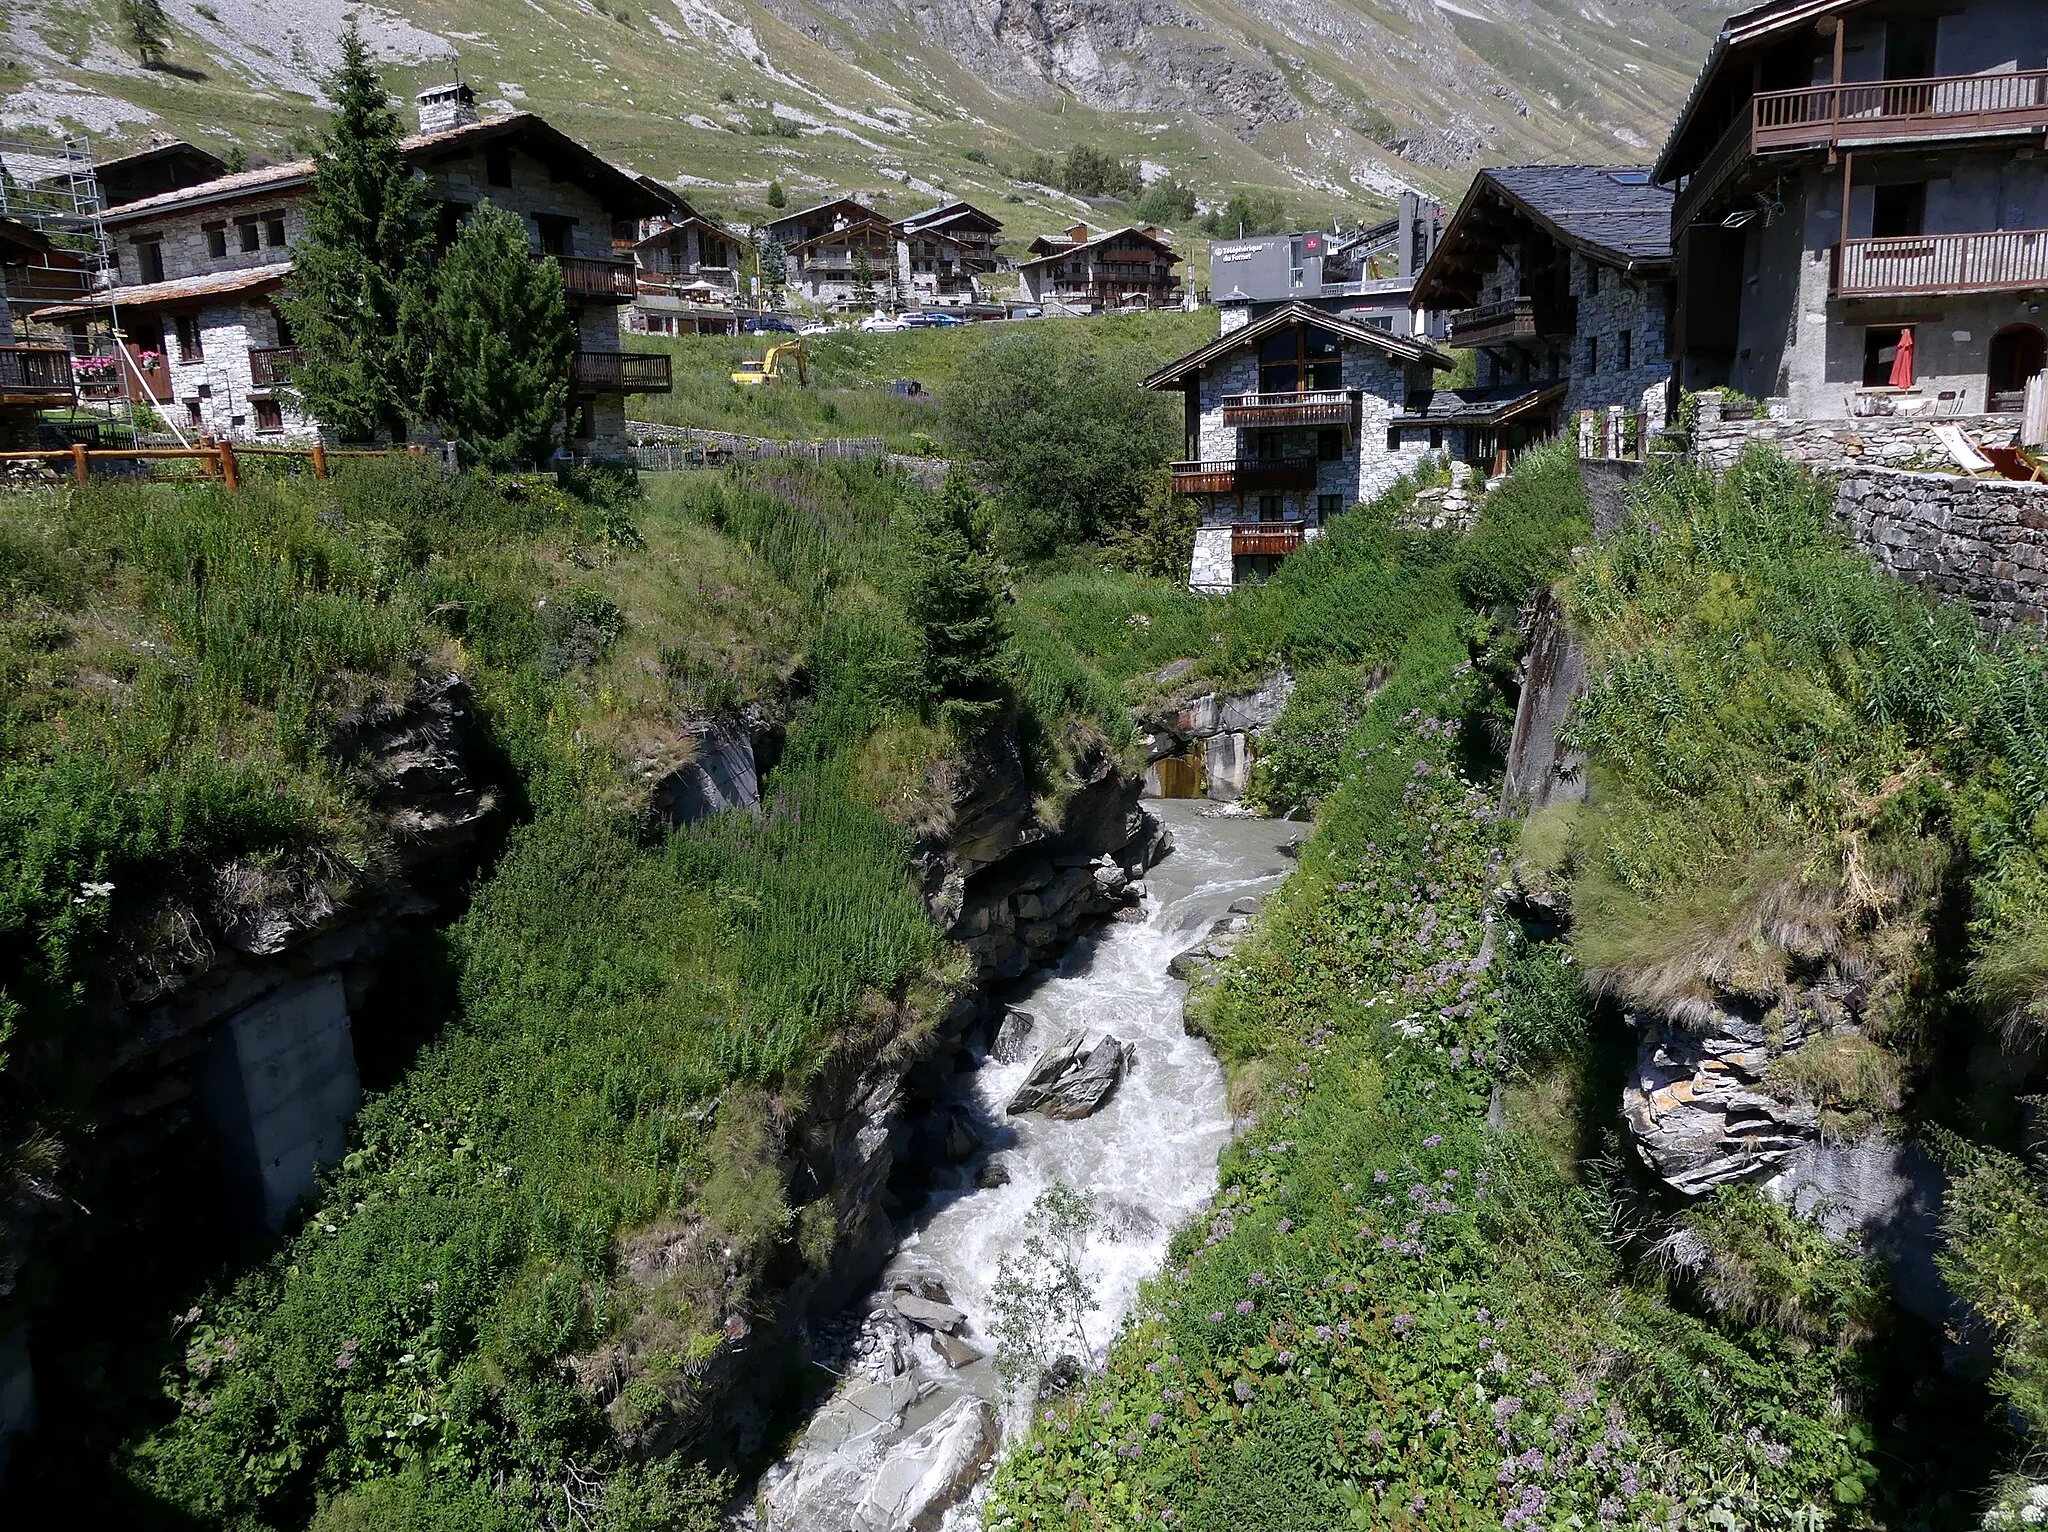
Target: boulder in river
{"points": [[1009, 1043], [995, 1173], [928, 1315], [1068, 1083], [930, 1472]]}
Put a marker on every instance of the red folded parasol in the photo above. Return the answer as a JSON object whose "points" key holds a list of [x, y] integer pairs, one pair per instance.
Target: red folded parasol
{"points": [[1902, 364]]}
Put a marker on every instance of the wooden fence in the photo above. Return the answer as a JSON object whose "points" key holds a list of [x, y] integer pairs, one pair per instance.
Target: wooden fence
{"points": [[221, 460]]}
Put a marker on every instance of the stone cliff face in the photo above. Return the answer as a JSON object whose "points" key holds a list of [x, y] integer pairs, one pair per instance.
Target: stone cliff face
{"points": [[1011, 880]]}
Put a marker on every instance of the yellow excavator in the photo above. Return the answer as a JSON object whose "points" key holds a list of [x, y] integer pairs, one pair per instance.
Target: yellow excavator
{"points": [[769, 368]]}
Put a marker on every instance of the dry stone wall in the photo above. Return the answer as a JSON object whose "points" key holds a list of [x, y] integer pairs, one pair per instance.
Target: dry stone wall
{"points": [[1890, 441], [1984, 541]]}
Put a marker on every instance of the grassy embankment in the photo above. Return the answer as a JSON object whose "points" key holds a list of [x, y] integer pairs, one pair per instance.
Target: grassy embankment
{"points": [[597, 1054], [848, 371], [1402, 1316]]}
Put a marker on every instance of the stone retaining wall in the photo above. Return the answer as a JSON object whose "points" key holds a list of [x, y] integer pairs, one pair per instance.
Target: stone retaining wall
{"points": [[1984, 541], [1889, 441]]}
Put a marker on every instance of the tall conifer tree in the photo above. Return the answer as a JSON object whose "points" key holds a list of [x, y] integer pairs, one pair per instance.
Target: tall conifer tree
{"points": [[956, 595], [357, 299], [498, 378]]}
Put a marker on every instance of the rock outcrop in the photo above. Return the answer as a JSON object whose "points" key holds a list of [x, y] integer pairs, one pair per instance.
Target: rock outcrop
{"points": [[1205, 743], [1071, 1082], [1698, 1107]]}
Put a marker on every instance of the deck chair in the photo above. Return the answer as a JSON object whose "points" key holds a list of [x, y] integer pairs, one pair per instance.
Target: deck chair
{"points": [[1959, 447]]}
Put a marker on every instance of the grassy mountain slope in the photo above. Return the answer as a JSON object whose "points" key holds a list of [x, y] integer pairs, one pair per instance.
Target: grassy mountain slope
{"points": [[1335, 102]]}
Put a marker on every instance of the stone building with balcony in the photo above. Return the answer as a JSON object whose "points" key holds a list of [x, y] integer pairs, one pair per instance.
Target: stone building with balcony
{"points": [[1078, 272], [686, 276], [1559, 277], [943, 253], [198, 269], [1290, 421], [1857, 179], [840, 253]]}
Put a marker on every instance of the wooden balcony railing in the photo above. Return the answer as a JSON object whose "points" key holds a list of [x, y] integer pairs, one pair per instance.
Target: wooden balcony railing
{"points": [[1230, 476], [1513, 319], [2015, 260], [1867, 112], [621, 372], [269, 366], [596, 277], [35, 374], [1887, 111], [1276, 538], [1315, 407]]}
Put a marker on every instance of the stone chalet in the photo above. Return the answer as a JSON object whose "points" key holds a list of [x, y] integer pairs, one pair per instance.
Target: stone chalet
{"points": [[1290, 422], [1559, 276], [686, 273], [197, 269], [942, 254], [33, 377], [834, 249], [1079, 272], [1854, 180]]}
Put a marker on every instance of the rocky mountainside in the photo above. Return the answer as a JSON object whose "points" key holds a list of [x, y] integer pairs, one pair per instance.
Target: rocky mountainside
{"points": [[1335, 102]]}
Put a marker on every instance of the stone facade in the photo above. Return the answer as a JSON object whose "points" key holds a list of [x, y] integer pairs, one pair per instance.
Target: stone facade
{"points": [[180, 257], [1984, 541], [1621, 356]]}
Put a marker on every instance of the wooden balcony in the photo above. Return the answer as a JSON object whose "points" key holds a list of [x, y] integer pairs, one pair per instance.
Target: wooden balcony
{"points": [[1514, 319], [621, 372], [597, 279], [1234, 476], [2014, 260], [1862, 114], [1900, 111], [36, 375], [1323, 407], [1276, 539], [270, 366]]}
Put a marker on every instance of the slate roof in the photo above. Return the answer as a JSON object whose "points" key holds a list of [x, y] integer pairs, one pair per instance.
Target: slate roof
{"points": [[627, 194], [1405, 348], [1498, 405], [156, 294], [1589, 208], [1060, 252], [1612, 214], [1741, 29]]}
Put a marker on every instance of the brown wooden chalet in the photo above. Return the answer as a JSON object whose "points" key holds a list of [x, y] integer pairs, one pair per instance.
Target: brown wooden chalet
{"points": [[839, 252], [1123, 269]]}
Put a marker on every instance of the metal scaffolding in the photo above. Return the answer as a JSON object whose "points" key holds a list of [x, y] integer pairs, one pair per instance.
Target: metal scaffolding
{"points": [[54, 190]]}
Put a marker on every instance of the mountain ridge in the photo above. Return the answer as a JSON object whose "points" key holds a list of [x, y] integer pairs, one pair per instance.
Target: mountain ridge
{"points": [[1334, 105]]}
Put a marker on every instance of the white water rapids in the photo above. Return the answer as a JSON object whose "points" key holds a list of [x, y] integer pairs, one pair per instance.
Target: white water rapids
{"points": [[1148, 1157]]}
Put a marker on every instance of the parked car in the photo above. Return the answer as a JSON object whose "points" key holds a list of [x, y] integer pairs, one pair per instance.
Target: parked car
{"points": [[933, 321], [882, 324], [761, 322], [819, 329]]}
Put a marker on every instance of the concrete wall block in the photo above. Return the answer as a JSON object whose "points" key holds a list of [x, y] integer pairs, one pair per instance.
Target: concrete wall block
{"points": [[279, 1087]]}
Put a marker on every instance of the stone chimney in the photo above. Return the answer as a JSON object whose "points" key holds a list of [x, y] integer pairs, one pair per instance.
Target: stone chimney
{"points": [[446, 106]]}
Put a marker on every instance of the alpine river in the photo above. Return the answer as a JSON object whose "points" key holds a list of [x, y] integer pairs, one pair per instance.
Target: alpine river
{"points": [[870, 1457]]}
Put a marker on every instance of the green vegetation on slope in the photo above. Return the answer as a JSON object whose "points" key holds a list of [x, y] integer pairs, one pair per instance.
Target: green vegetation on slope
{"points": [[580, 1157], [1391, 1319], [850, 370]]}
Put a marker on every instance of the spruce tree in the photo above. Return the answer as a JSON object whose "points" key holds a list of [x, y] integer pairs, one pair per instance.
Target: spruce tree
{"points": [[357, 299], [497, 380], [148, 29], [777, 197], [955, 595]]}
